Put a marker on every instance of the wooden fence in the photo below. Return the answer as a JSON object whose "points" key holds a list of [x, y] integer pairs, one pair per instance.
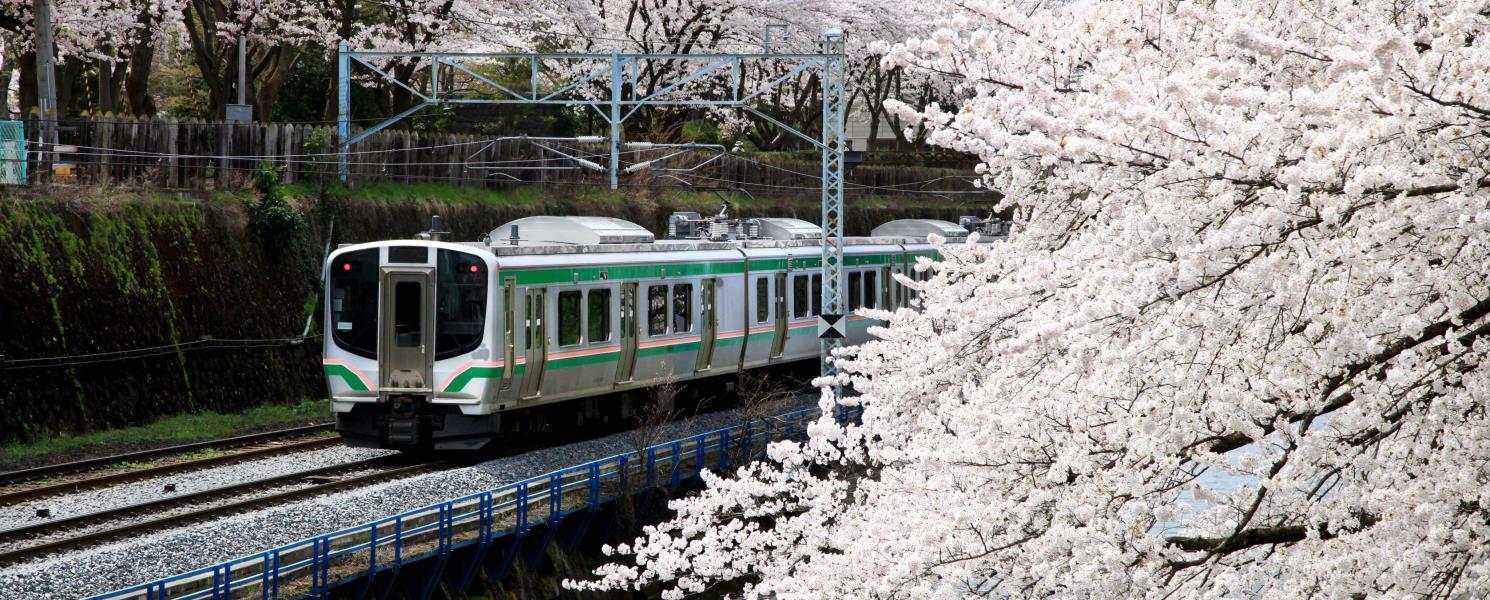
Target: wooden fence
{"points": [[194, 155]]}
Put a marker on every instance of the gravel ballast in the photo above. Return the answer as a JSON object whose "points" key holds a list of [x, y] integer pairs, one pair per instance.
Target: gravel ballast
{"points": [[146, 558], [135, 492]]}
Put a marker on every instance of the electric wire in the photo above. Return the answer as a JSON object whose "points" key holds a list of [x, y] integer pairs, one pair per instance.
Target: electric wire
{"points": [[51, 362]]}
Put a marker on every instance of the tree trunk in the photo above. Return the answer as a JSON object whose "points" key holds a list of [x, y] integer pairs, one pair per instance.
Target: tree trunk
{"points": [[28, 94], [67, 77], [105, 87], [329, 114], [269, 77], [137, 76], [7, 69]]}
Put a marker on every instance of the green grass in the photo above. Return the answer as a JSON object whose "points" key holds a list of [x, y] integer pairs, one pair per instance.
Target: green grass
{"points": [[393, 192], [177, 429]]}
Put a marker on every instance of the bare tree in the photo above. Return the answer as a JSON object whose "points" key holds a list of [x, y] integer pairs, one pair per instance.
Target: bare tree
{"points": [[761, 397]]}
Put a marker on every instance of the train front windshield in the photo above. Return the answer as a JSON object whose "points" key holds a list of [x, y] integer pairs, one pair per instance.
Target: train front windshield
{"points": [[460, 302], [460, 299], [354, 302]]}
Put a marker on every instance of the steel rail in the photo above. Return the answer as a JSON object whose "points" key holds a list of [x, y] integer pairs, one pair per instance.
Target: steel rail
{"points": [[48, 471], [66, 487], [159, 523]]}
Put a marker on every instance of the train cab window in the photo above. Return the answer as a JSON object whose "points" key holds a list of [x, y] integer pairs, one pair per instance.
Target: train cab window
{"points": [[599, 316], [855, 293], [682, 308], [871, 288], [657, 310], [460, 299], [354, 302], [800, 303], [569, 317], [762, 300], [817, 294]]}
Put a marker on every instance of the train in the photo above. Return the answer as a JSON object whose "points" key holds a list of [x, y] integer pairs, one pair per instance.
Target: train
{"points": [[551, 320]]}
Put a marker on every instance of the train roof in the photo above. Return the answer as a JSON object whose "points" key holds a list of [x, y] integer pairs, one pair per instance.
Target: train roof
{"points": [[549, 235], [701, 237]]}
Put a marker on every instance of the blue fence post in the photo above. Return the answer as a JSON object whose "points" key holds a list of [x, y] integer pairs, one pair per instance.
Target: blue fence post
{"points": [[398, 543], [723, 450], [487, 508], [594, 483], [315, 569], [520, 508], [264, 576], [677, 462], [745, 442], [651, 467], [698, 453], [275, 577], [623, 473], [372, 550]]}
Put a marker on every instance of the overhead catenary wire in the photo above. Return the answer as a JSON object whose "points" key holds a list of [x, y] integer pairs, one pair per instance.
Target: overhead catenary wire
{"points": [[48, 362], [328, 159], [849, 187], [105, 151]]}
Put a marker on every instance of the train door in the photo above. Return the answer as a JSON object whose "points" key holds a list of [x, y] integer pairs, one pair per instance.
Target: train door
{"points": [[627, 365], [407, 362], [886, 285], [779, 342], [509, 330], [709, 323], [536, 348]]}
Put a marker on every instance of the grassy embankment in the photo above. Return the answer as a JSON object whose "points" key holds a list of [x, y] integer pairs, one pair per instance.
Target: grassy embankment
{"points": [[166, 431]]}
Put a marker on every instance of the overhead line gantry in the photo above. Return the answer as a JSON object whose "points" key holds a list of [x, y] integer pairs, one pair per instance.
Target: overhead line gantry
{"points": [[618, 74]]}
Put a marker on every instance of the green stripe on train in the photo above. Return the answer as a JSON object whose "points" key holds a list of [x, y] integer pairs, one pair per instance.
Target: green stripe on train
{"points": [[656, 350], [353, 381], [579, 361], [460, 381]]}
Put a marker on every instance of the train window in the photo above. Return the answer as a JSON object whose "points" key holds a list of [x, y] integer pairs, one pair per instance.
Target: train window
{"points": [[817, 294], [569, 317], [354, 302], [599, 317], [762, 300], [657, 310], [682, 307], [800, 303], [871, 288], [855, 294], [460, 300]]}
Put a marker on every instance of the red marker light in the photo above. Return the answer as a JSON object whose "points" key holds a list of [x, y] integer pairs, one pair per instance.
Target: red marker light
{"points": [[346, 266], [475, 269]]}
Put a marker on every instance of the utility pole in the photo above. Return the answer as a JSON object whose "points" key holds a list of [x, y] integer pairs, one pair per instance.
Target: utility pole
{"points": [[242, 69], [343, 110], [46, 83]]}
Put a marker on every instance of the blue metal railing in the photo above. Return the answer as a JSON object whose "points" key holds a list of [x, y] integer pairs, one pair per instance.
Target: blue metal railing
{"points": [[311, 566]]}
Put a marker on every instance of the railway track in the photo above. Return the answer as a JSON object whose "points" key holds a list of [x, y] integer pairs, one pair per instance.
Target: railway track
{"points": [[52, 480], [311, 482]]}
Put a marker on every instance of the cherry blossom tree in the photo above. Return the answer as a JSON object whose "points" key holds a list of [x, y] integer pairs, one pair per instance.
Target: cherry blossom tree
{"points": [[707, 27], [1235, 346], [118, 36]]}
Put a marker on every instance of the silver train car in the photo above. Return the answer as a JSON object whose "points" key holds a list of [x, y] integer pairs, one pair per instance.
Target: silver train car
{"points": [[437, 345]]}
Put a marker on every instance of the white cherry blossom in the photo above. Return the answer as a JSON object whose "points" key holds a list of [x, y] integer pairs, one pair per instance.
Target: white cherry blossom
{"points": [[1252, 240]]}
